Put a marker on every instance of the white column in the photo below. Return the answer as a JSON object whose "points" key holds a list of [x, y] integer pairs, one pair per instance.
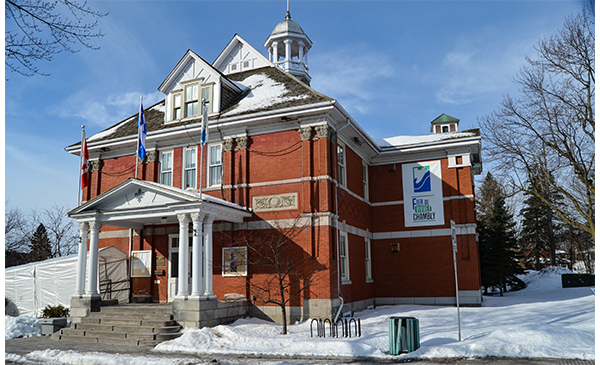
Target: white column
{"points": [[83, 243], [275, 54], [208, 256], [197, 289], [301, 52], [184, 249], [92, 284], [288, 51]]}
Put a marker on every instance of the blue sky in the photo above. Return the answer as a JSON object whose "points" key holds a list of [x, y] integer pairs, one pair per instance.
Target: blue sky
{"points": [[394, 65]]}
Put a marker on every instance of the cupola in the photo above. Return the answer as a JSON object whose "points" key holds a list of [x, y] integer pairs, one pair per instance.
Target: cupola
{"points": [[288, 48], [444, 124]]}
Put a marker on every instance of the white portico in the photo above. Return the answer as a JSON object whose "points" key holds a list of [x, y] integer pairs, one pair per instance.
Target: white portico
{"points": [[137, 204]]}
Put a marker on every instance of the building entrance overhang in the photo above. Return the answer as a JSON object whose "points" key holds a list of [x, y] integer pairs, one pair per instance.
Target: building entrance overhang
{"points": [[137, 203]]}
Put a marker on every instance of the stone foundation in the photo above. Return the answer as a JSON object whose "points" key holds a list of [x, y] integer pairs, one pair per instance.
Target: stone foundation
{"points": [[198, 312], [82, 305]]}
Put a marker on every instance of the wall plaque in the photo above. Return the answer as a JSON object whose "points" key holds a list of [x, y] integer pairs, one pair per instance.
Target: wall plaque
{"points": [[275, 202]]}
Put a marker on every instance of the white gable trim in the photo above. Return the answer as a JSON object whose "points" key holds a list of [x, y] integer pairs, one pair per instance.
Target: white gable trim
{"points": [[238, 52], [137, 203]]}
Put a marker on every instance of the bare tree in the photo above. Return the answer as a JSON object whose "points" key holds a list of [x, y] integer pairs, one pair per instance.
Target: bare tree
{"points": [[547, 135], [281, 270], [20, 231], [37, 30], [61, 231]]}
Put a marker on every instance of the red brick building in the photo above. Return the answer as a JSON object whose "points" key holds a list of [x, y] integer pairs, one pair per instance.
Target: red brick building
{"points": [[373, 219]]}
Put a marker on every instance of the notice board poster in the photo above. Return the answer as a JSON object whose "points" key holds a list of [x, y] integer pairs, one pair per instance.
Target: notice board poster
{"points": [[423, 199], [141, 262]]}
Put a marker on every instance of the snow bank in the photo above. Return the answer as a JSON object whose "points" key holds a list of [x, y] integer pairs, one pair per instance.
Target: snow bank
{"points": [[22, 326], [542, 321]]}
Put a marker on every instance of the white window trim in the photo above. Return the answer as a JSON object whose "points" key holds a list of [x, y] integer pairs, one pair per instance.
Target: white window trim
{"points": [[208, 165], [344, 264], [365, 178], [226, 271], [181, 91], [160, 171], [368, 262], [184, 169], [342, 165]]}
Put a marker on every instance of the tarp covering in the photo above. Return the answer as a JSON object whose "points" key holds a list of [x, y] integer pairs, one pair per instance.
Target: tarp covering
{"points": [[32, 287]]}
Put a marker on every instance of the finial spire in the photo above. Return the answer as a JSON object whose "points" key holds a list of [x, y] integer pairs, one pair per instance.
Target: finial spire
{"points": [[288, 16]]}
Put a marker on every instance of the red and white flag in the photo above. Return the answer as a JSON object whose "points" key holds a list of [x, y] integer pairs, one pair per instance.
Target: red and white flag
{"points": [[84, 164]]}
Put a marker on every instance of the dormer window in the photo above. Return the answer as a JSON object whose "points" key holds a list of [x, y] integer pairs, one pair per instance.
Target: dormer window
{"points": [[185, 102]]}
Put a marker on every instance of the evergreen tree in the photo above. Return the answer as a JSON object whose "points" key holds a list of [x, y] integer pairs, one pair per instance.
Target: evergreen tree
{"points": [[541, 228], [497, 239], [40, 245]]}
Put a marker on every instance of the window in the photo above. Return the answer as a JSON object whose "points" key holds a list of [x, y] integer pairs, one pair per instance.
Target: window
{"points": [[166, 168], [215, 165], [368, 275], [234, 261], [445, 129], [191, 100], [341, 148], [189, 168], [177, 106], [365, 179], [344, 264]]}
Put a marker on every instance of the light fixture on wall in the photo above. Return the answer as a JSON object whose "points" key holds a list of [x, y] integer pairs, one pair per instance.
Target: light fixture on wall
{"points": [[163, 220], [357, 141]]}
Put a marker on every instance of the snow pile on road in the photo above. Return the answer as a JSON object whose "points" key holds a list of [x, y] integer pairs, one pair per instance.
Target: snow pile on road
{"points": [[22, 326], [541, 321]]}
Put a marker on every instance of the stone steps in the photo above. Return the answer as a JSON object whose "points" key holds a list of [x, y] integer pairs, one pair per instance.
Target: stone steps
{"points": [[132, 324]]}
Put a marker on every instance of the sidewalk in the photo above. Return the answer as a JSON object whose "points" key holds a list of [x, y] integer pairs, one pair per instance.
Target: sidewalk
{"points": [[24, 346]]}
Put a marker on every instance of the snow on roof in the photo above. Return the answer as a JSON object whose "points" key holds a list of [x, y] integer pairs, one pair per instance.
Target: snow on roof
{"points": [[428, 138], [110, 131], [264, 93]]}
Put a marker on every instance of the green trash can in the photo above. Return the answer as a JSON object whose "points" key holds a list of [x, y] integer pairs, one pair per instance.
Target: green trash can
{"points": [[404, 335]]}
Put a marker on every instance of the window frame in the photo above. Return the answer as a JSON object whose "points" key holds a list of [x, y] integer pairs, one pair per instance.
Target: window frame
{"points": [[365, 180], [344, 258], [185, 169], [341, 147], [368, 262], [175, 94], [210, 165], [202, 88], [160, 167], [226, 265]]}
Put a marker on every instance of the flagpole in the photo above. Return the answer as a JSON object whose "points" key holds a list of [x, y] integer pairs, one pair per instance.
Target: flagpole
{"points": [[80, 164], [137, 149], [202, 143]]}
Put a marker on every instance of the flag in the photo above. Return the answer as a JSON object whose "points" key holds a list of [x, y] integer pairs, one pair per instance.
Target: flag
{"points": [[204, 134], [141, 133], [84, 163]]}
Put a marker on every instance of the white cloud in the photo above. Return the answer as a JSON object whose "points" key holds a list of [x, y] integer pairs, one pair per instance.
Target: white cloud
{"points": [[350, 75], [479, 65], [104, 112]]}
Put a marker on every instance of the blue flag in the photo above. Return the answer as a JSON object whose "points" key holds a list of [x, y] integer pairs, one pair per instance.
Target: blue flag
{"points": [[141, 134], [204, 133]]}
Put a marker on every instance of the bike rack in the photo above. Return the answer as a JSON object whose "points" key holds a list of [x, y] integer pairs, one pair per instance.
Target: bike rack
{"points": [[345, 324]]}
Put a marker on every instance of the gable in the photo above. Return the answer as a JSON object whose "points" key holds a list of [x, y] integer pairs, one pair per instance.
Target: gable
{"points": [[239, 56], [133, 194], [190, 67]]}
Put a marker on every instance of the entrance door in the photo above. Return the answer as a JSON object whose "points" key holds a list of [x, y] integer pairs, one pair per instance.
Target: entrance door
{"points": [[174, 265]]}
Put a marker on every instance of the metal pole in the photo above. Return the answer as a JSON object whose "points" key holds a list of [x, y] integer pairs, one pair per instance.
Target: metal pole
{"points": [[80, 164], [137, 150], [454, 249]]}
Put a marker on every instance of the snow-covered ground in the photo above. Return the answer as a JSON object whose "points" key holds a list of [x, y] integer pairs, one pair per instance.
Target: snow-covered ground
{"points": [[542, 321]]}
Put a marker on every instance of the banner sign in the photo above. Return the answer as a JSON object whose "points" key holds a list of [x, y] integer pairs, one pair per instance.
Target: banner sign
{"points": [[423, 199]]}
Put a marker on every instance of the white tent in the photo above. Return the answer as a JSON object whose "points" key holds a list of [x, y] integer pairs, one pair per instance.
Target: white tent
{"points": [[32, 287]]}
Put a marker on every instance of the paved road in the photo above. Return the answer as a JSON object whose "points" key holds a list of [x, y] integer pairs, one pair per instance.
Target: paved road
{"points": [[23, 346]]}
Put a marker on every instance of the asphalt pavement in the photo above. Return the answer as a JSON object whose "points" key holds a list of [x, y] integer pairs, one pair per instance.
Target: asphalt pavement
{"points": [[24, 346]]}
